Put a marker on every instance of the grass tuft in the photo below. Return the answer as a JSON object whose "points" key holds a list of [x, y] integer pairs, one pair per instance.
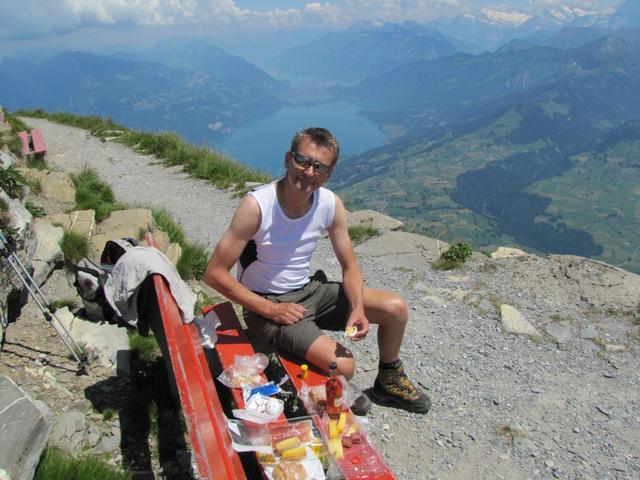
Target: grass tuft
{"points": [[34, 210], [456, 255], [193, 260], [146, 348], [55, 465], [93, 193], [165, 222], [70, 303], [363, 231], [108, 414], [75, 247], [12, 181]]}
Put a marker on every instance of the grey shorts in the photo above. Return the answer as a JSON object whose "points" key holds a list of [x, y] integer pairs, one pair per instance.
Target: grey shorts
{"points": [[327, 308]]}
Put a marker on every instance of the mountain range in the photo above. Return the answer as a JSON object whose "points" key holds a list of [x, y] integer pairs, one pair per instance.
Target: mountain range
{"points": [[364, 50], [487, 29], [488, 136], [186, 87], [506, 128]]}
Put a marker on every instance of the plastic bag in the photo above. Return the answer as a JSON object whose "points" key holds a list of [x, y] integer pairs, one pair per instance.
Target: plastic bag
{"points": [[246, 370], [260, 409], [314, 398]]}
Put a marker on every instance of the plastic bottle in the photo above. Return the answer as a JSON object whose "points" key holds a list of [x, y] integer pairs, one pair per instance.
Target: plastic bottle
{"points": [[333, 389]]}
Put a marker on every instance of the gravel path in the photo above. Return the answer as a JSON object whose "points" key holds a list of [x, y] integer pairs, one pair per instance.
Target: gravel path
{"points": [[563, 405], [202, 210]]}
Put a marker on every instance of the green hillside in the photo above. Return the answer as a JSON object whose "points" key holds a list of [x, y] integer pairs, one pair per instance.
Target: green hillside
{"points": [[416, 182], [600, 194], [492, 173]]}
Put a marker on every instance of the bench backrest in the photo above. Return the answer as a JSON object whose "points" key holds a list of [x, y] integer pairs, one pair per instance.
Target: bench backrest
{"points": [[24, 139], [37, 141], [206, 423]]}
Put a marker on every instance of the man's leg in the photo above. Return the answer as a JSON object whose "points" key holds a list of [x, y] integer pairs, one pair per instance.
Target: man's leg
{"points": [[325, 350], [392, 386], [389, 311]]}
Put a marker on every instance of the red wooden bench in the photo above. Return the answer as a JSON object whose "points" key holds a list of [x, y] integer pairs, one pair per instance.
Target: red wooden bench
{"points": [[32, 143], [205, 419]]}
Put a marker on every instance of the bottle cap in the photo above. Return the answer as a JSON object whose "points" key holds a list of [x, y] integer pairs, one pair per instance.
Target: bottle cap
{"points": [[333, 366]]}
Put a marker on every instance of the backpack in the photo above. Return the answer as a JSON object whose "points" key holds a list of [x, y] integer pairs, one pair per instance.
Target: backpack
{"points": [[115, 248], [91, 278]]}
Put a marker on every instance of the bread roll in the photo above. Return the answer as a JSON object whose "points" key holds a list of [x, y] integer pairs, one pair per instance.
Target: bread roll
{"points": [[289, 470]]}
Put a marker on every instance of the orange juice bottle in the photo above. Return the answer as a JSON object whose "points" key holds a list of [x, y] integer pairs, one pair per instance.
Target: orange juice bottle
{"points": [[334, 392]]}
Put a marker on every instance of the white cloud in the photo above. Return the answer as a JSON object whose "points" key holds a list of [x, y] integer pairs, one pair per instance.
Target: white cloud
{"points": [[584, 4], [32, 18], [26, 18], [398, 10]]}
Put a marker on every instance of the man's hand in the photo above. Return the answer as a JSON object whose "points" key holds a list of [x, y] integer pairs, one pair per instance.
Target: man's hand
{"points": [[361, 322], [287, 313]]}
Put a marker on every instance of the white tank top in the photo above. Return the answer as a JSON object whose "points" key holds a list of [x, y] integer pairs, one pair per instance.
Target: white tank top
{"points": [[284, 245]]}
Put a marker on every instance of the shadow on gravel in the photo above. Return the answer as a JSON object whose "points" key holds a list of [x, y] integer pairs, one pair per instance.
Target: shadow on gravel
{"points": [[147, 403], [146, 410]]}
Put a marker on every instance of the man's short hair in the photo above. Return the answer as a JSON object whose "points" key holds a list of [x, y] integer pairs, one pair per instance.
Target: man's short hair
{"points": [[321, 137]]}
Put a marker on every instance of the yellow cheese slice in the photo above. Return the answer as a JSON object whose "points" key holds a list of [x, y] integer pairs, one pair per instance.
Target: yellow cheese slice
{"points": [[295, 453], [287, 444]]}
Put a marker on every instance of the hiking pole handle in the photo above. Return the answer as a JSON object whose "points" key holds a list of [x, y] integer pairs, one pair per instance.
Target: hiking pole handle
{"points": [[5, 245]]}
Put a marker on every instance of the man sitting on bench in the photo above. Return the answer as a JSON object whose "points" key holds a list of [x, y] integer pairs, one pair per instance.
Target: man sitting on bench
{"points": [[273, 234]]}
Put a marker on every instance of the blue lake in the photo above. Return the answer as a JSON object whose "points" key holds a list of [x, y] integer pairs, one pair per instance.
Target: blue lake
{"points": [[262, 144]]}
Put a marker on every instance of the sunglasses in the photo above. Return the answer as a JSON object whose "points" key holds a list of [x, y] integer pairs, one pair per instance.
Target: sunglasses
{"points": [[304, 163]]}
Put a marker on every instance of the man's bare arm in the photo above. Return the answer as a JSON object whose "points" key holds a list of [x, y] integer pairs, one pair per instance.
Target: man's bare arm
{"points": [[244, 225], [351, 274]]}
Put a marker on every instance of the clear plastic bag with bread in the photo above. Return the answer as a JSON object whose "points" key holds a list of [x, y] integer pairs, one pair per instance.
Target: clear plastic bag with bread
{"points": [[314, 398], [245, 371]]}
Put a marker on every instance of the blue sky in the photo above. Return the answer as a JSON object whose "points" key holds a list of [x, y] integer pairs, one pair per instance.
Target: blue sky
{"points": [[26, 19]]}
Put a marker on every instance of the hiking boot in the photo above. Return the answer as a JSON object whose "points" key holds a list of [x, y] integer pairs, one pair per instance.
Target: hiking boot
{"points": [[361, 405], [393, 388]]}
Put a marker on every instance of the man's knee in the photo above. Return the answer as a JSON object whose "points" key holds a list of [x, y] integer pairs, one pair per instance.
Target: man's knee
{"points": [[345, 361], [398, 308], [346, 367]]}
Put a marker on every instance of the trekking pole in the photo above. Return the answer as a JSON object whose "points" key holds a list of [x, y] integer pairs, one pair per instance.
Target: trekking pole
{"points": [[7, 251]]}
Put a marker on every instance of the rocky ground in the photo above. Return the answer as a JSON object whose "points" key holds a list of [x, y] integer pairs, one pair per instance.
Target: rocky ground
{"points": [[550, 392]]}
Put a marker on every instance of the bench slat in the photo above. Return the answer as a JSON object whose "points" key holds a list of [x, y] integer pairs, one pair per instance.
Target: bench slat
{"points": [[24, 139], [37, 141]]}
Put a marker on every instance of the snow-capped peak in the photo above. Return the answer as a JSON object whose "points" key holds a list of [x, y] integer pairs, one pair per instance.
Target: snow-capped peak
{"points": [[564, 13], [512, 17]]}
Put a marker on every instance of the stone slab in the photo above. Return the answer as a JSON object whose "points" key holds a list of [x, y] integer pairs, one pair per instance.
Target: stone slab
{"points": [[514, 322], [27, 423], [48, 253], [103, 340], [375, 219], [82, 222], [508, 252]]}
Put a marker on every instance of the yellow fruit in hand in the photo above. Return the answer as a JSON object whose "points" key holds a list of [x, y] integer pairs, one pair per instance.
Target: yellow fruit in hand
{"points": [[351, 331]]}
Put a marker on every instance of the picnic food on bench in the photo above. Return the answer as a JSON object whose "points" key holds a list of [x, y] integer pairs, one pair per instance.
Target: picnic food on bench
{"points": [[289, 470], [318, 395], [283, 431]]}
